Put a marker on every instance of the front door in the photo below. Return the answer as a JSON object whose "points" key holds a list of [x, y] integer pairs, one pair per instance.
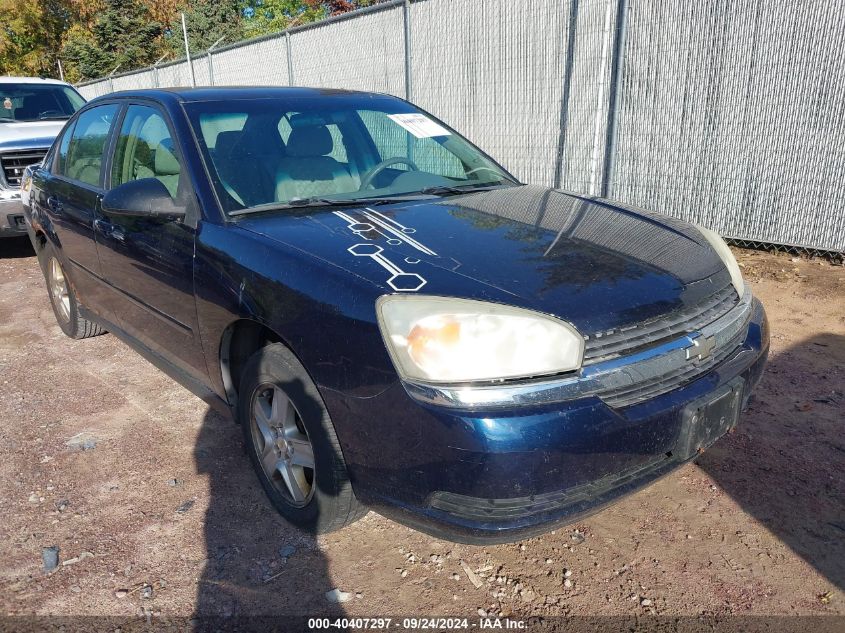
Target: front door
{"points": [[149, 261]]}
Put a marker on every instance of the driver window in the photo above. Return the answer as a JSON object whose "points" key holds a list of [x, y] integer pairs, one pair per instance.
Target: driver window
{"points": [[145, 149]]}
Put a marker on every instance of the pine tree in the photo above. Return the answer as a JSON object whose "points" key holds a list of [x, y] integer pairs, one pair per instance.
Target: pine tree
{"points": [[207, 21], [123, 33]]}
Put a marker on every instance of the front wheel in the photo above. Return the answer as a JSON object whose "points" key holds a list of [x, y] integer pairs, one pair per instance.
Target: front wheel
{"points": [[292, 444], [63, 299]]}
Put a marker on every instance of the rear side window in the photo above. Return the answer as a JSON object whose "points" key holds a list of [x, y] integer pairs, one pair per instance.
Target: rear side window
{"points": [[64, 145], [84, 154], [145, 149]]}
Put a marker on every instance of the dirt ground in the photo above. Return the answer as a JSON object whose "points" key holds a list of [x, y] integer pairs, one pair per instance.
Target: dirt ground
{"points": [[155, 509]]}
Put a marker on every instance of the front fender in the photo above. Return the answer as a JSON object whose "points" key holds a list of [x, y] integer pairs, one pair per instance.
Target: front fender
{"points": [[324, 314]]}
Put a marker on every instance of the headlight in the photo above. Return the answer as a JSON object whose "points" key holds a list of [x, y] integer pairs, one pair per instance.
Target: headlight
{"points": [[728, 258], [441, 339]]}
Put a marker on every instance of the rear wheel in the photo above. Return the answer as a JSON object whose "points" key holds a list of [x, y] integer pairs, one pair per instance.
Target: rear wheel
{"points": [[292, 444], [63, 299]]}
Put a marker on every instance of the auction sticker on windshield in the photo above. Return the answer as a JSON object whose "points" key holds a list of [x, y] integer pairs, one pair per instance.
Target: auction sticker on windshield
{"points": [[419, 125]]}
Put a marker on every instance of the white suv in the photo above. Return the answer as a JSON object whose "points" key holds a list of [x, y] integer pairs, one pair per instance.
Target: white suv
{"points": [[32, 112]]}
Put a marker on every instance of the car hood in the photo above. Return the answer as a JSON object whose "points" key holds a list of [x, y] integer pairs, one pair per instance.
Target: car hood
{"points": [[597, 265], [29, 134]]}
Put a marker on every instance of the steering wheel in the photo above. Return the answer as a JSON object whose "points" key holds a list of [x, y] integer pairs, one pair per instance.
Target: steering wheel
{"points": [[367, 178], [482, 168]]}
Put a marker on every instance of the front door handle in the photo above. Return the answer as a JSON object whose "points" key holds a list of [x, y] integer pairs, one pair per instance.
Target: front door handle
{"points": [[109, 230]]}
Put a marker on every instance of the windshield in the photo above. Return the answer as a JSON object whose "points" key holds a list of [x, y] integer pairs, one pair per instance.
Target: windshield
{"points": [[37, 102], [332, 149]]}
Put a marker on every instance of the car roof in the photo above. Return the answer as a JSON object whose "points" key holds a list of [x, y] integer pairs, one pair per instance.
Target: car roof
{"points": [[220, 93], [31, 80]]}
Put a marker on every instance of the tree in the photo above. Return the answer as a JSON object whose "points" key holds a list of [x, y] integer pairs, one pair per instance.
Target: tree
{"points": [[123, 33], [91, 37], [272, 16], [31, 36], [162, 11], [207, 21], [261, 17]]}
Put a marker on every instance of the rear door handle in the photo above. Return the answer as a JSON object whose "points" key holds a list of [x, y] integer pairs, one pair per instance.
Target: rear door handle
{"points": [[54, 204]]}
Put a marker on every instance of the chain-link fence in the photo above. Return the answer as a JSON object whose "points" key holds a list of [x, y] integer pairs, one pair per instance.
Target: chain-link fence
{"points": [[729, 113]]}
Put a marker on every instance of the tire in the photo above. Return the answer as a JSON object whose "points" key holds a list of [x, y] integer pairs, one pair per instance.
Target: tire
{"points": [[282, 414], [63, 298]]}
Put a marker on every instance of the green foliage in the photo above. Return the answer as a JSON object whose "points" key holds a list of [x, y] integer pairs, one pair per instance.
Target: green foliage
{"points": [[123, 33], [207, 21], [30, 36], [262, 17], [271, 16], [91, 37]]}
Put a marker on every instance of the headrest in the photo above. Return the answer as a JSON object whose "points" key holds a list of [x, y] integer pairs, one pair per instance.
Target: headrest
{"points": [[226, 142], [166, 163], [310, 140]]}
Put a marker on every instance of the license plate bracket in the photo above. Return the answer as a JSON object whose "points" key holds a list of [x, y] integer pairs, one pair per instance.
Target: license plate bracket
{"points": [[707, 419]]}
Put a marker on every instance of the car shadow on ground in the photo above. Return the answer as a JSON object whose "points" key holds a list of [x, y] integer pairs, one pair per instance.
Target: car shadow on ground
{"points": [[259, 567], [15, 247], [785, 464]]}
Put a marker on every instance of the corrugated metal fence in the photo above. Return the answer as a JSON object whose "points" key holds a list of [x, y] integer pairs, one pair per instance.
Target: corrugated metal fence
{"points": [[729, 113]]}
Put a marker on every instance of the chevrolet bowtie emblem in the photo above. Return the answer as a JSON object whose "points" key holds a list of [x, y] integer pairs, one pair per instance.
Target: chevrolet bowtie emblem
{"points": [[702, 347]]}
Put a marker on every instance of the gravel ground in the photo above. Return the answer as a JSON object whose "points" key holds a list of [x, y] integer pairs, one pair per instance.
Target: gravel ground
{"points": [[150, 500]]}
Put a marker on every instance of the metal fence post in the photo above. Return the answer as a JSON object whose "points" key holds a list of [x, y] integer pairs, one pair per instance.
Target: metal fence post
{"points": [[111, 81], [406, 12], [565, 91], [188, 52], [211, 61], [290, 58], [155, 68], [614, 97]]}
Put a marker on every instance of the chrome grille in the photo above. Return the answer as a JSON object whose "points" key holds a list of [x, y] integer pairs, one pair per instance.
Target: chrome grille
{"points": [[676, 378], [13, 164], [607, 345]]}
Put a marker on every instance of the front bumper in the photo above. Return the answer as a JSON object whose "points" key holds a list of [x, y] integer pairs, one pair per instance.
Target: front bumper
{"points": [[481, 474], [12, 222]]}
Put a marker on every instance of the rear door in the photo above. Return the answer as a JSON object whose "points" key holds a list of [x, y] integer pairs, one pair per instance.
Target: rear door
{"points": [[72, 200], [149, 261]]}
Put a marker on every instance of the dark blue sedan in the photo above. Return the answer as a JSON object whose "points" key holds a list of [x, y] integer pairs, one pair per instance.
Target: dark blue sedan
{"points": [[395, 321]]}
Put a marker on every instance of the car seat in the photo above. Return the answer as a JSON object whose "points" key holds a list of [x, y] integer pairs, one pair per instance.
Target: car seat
{"points": [[307, 170]]}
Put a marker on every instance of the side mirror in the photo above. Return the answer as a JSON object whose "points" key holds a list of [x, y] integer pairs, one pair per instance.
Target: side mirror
{"points": [[147, 198]]}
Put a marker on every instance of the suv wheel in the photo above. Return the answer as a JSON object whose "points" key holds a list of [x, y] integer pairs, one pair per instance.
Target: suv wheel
{"points": [[292, 444], [63, 299]]}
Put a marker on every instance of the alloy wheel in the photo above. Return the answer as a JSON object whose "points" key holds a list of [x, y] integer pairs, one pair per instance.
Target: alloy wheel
{"points": [[59, 290], [282, 445]]}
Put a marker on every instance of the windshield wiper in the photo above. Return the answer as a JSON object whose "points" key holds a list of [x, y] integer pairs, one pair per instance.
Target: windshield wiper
{"points": [[302, 203], [456, 189], [5, 119]]}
